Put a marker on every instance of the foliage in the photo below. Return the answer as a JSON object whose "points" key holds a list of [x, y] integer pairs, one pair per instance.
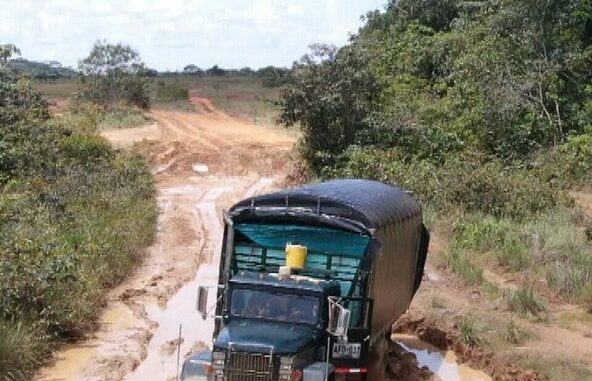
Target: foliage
{"points": [[113, 74], [170, 91], [273, 76], [484, 105], [40, 70], [329, 121], [192, 70], [7, 51], [73, 215]]}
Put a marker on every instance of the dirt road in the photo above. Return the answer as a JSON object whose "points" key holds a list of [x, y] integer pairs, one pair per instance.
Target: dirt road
{"points": [[203, 160]]}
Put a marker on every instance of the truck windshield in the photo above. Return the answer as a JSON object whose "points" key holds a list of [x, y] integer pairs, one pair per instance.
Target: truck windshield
{"points": [[275, 306]]}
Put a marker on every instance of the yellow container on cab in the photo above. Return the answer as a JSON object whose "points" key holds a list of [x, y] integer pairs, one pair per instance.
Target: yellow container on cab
{"points": [[296, 255]]}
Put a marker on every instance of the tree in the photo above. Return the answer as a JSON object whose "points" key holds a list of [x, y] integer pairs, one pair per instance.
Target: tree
{"points": [[331, 97], [192, 70], [113, 74], [7, 51], [216, 71]]}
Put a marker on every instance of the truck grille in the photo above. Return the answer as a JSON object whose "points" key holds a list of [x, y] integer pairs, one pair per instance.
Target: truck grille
{"points": [[242, 366]]}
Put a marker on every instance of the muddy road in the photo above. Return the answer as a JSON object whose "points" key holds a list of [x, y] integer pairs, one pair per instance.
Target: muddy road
{"points": [[203, 160]]}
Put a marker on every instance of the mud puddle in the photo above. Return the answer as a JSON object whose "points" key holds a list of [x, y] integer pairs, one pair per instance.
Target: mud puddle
{"points": [[179, 313], [444, 364]]}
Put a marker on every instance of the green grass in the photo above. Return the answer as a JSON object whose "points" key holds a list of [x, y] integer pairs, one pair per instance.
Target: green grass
{"points": [[21, 351], [458, 260], [556, 369], [551, 245], [122, 117], [467, 330], [524, 300]]}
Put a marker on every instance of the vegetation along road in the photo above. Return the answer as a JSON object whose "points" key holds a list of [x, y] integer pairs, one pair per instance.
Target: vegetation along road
{"points": [[203, 160]]}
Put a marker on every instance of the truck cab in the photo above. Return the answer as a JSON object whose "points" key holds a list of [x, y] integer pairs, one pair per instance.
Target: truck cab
{"points": [[273, 326]]}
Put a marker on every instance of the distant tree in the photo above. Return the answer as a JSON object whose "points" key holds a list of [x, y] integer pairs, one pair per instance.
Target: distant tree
{"points": [[274, 76], [215, 71], [152, 73], [246, 71], [7, 51], [113, 74], [192, 70]]}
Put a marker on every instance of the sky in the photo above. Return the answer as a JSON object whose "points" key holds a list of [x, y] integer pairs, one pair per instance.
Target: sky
{"points": [[170, 34]]}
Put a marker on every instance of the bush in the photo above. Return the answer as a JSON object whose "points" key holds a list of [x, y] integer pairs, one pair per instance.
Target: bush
{"points": [[468, 181], [73, 215], [524, 300], [113, 75], [171, 92]]}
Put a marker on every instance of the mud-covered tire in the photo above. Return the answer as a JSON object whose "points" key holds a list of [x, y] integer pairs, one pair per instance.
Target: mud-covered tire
{"points": [[377, 361]]}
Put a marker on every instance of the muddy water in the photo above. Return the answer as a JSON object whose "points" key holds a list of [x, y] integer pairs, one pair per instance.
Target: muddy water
{"points": [[443, 364], [180, 310]]}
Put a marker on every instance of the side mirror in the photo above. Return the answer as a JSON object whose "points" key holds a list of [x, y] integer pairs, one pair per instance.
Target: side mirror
{"points": [[202, 301], [339, 318]]}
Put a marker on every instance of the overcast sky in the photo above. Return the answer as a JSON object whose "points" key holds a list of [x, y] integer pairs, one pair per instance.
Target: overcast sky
{"points": [[170, 34]]}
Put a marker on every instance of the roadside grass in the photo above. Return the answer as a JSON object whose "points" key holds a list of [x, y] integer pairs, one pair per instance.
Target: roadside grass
{"points": [[21, 352], [169, 91], [559, 369], [468, 332], [523, 300], [458, 260], [122, 117], [552, 245]]}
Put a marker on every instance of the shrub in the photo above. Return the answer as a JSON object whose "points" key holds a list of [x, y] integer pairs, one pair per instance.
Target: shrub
{"points": [[86, 148], [113, 75], [513, 333], [73, 215], [469, 181], [467, 330], [524, 300], [171, 92]]}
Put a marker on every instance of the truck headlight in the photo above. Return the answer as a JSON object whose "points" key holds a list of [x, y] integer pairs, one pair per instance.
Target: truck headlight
{"points": [[287, 371], [286, 363], [218, 360]]}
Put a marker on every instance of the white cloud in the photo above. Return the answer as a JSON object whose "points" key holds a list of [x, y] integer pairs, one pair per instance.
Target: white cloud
{"points": [[172, 33]]}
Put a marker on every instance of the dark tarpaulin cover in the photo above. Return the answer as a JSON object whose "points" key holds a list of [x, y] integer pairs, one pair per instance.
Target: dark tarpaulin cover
{"points": [[354, 204]]}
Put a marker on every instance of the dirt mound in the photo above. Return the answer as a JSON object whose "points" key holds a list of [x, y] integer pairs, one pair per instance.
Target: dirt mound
{"points": [[448, 339]]}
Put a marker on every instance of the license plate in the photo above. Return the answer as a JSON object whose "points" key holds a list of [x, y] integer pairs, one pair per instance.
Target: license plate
{"points": [[347, 351]]}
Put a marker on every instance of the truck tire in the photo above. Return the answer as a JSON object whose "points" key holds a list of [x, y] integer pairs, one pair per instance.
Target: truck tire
{"points": [[378, 359]]}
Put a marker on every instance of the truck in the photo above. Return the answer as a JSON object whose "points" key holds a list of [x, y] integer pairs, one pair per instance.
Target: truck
{"points": [[310, 279]]}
